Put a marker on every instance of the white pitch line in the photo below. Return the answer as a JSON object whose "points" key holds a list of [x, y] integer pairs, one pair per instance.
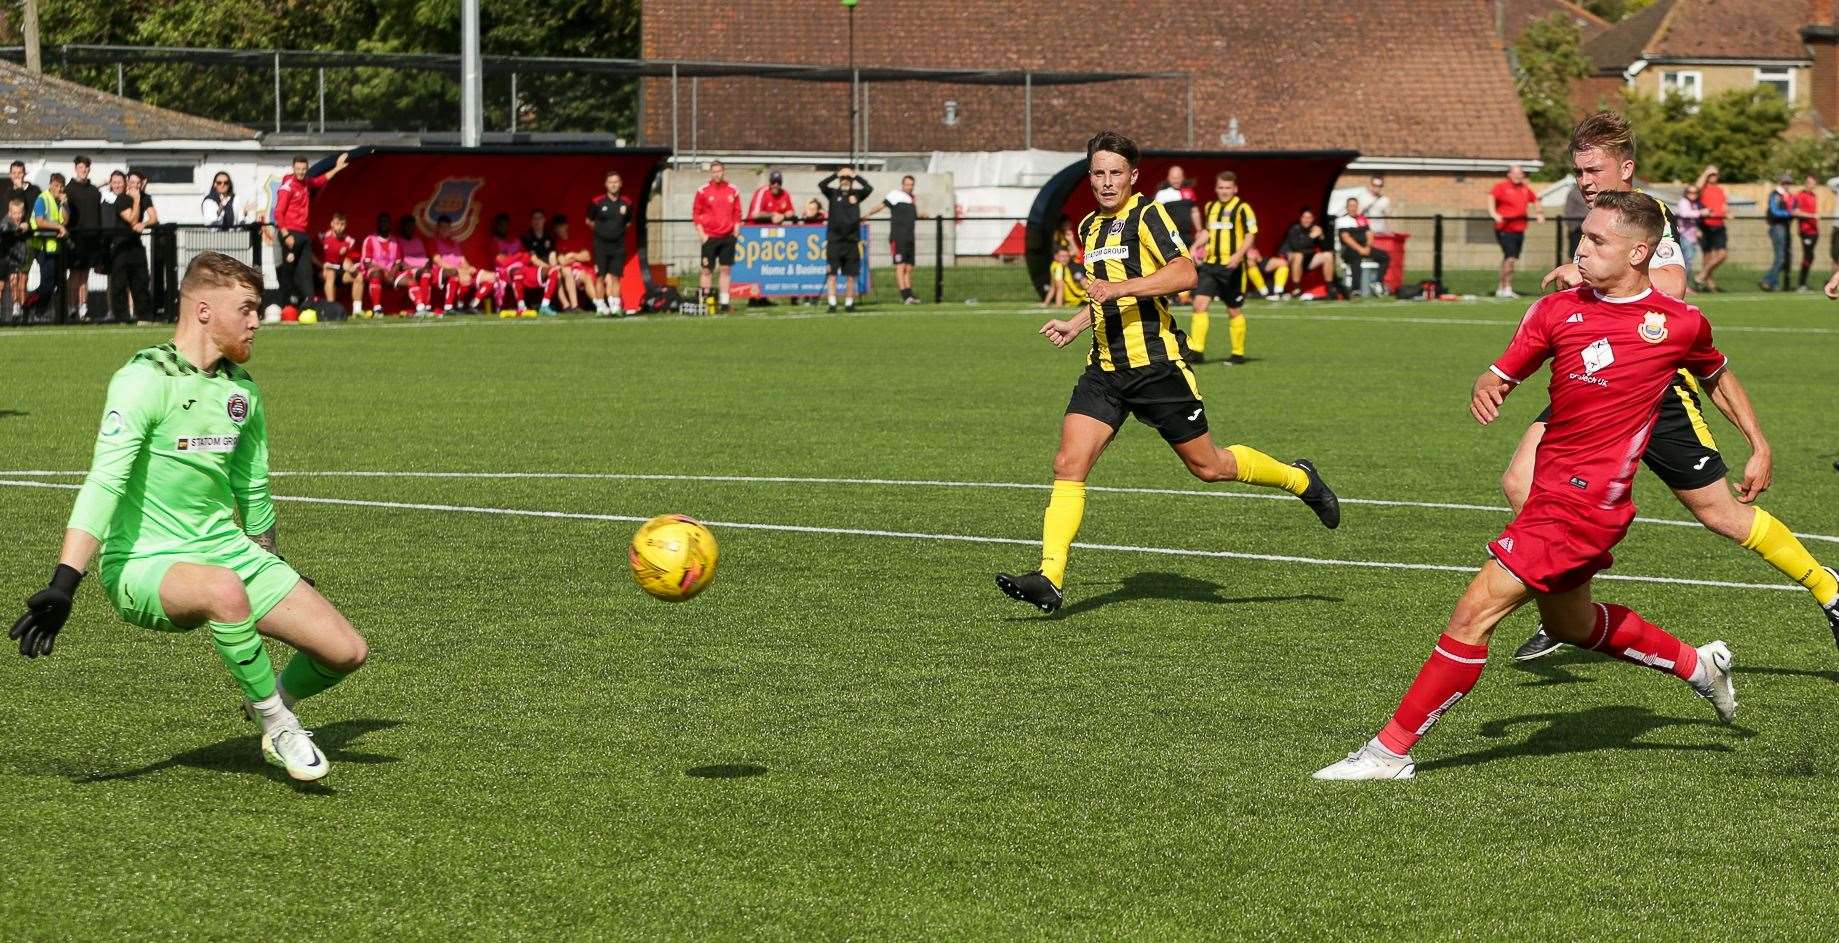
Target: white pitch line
{"points": [[960, 538], [893, 482]]}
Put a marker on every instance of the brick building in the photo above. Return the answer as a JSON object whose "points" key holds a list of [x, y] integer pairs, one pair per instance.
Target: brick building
{"points": [[1421, 89], [1700, 48]]}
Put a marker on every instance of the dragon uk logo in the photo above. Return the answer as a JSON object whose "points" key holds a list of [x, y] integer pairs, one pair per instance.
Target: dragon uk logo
{"points": [[456, 198]]}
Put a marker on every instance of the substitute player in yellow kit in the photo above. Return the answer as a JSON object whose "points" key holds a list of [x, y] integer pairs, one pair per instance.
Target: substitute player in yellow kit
{"points": [[1138, 366]]}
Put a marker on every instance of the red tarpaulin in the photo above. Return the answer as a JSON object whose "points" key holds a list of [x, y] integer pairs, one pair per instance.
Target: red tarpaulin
{"points": [[472, 185]]}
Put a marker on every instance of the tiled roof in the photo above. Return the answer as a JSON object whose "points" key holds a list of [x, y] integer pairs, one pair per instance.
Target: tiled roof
{"points": [[1516, 15], [1702, 29], [37, 107]]}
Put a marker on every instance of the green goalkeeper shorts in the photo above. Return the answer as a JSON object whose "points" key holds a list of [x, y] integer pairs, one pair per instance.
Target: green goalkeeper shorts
{"points": [[133, 583]]}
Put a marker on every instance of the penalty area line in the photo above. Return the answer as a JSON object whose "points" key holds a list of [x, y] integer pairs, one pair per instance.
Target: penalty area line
{"points": [[954, 538]]}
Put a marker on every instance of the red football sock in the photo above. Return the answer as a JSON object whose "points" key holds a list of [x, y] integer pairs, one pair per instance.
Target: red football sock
{"points": [[376, 292], [424, 283], [1621, 633], [1449, 673], [498, 286], [549, 286], [453, 292]]}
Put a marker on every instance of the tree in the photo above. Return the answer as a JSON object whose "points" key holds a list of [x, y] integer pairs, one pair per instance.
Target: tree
{"points": [[1549, 58], [1739, 130], [389, 99]]}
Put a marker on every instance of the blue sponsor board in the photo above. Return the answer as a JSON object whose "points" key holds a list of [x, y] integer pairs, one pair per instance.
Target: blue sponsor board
{"points": [[787, 261]]}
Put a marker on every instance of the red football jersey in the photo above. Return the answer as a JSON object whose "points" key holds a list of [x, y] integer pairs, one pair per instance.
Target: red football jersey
{"points": [[1612, 360], [336, 249]]}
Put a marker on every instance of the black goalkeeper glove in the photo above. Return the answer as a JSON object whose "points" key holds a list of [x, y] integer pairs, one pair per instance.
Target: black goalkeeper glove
{"points": [[45, 613]]}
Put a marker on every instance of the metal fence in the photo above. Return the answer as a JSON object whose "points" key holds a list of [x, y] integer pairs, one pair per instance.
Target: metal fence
{"points": [[101, 261], [956, 260]]}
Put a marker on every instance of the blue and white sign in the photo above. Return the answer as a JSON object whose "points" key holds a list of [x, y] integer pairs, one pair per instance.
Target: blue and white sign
{"points": [[787, 261]]}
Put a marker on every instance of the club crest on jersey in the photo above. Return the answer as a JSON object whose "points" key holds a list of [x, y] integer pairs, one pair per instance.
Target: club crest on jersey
{"points": [[1117, 228], [455, 198], [1653, 327], [238, 408]]}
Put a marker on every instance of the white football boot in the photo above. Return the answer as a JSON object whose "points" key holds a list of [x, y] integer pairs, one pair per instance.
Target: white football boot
{"points": [[1369, 762], [1713, 682], [292, 748]]}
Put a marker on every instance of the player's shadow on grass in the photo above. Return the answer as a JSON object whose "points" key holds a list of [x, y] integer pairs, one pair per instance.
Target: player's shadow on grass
{"points": [[1555, 668], [1832, 676], [10, 413], [1589, 731], [243, 754], [1176, 588]]}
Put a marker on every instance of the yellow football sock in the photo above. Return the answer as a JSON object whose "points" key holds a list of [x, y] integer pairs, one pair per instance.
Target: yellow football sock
{"points": [[1257, 276], [1774, 542], [1235, 328], [1059, 526], [1197, 334], [1283, 278], [1257, 468]]}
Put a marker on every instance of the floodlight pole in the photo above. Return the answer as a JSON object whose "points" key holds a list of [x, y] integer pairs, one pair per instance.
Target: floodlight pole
{"points": [[472, 127], [854, 80]]}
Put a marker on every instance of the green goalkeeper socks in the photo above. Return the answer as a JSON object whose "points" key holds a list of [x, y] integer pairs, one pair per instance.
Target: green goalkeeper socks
{"points": [[303, 677], [243, 653]]}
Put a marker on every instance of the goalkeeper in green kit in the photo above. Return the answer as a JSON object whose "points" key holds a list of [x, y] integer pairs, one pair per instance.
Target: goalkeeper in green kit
{"points": [[181, 455]]}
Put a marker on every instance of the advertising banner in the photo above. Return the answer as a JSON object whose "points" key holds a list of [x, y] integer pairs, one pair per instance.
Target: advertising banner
{"points": [[787, 262]]}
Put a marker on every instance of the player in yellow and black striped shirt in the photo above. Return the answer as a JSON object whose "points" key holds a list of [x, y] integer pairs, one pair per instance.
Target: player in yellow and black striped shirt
{"points": [[1222, 246], [1138, 366]]}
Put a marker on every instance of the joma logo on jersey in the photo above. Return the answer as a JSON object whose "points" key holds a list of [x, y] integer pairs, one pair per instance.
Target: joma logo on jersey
{"points": [[454, 198]]}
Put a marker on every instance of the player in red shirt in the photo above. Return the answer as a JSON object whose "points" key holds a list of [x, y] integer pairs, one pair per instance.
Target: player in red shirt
{"points": [[513, 269], [1508, 203], [381, 261], [1615, 344], [338, 262], [575, 261], [1714, 238], [1807, 217], [454, 276], [717, 212], [771, 204]]}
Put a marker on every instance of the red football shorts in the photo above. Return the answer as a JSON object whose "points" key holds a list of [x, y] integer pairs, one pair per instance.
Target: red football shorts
{"points": [[1556, 544]]}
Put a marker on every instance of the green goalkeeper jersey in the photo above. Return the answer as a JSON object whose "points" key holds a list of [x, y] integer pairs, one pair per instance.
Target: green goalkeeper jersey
{"points": [[182, 453]]}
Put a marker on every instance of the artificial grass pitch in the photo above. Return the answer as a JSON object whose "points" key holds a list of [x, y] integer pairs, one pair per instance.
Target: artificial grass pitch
{"points": [[855, 735]]}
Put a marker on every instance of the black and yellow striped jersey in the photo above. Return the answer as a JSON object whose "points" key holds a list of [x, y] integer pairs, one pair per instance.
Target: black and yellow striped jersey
{"points": [[1229, 226], [1134, 242], [1072, 282]]}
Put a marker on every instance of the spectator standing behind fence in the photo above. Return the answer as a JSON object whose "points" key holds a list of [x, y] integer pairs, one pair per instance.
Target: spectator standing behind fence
{"points": [[771, 204], [1686, 214], [1713, 237], [218, 209], [843, 249], [293, 207], [1355, 233], [86, 252], [1177, 197], [716, 212], [128, 259], [15, 257], [903, 215], [1375, 205], [1780, 214], [607, 216], [1807, 220], [50, 238], [16, 184], [1508, 204]]}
